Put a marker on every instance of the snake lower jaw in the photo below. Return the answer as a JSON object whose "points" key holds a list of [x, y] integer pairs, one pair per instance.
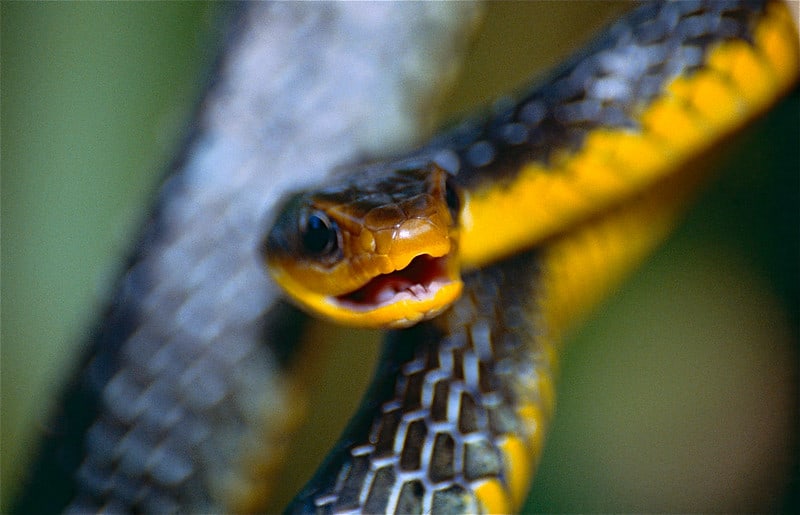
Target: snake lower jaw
{"points": [[411, 306], [422, 290], [421, 277]]}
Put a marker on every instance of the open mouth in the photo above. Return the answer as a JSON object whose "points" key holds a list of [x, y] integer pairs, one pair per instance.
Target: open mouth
{"points": [[420, 280]]}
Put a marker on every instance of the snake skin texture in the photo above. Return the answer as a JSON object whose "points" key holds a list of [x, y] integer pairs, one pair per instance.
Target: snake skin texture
{"points": [[168, 411], [448, 394], [181, 402], [606, 86], [433, 434]]}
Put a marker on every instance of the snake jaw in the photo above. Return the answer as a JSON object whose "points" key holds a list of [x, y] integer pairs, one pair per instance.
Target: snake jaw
{"points": [[420, 279], [422, 290], [414, 287]]}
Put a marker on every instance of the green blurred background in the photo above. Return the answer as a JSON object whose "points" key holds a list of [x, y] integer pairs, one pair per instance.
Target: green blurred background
{"points": [[681, 394]]}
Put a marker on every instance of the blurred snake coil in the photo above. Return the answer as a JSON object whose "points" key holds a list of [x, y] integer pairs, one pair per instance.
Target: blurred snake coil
{"points": [[560, 193]]}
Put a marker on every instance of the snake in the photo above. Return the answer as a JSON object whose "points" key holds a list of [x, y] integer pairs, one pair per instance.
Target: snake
{"points": [[576, 180], [541, 205]]}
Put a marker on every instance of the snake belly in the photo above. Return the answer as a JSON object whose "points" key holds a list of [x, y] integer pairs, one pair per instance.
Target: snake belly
{"points": [[587, 173]]}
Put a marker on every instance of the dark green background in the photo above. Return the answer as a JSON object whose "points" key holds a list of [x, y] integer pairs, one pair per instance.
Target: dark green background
{"points": [[680, 395]]}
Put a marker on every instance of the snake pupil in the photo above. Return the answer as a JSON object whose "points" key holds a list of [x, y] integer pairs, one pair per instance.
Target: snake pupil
{"points": [[319, 235]]}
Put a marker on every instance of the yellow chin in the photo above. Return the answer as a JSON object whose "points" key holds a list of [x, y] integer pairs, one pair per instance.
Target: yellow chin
{"points": [[403, 312]]}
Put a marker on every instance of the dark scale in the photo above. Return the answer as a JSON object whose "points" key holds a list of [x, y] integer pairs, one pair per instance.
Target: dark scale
{"points": [[382, 485], [441, 458], [410, 498], [411, 457], [481, 459], [387, 432]]}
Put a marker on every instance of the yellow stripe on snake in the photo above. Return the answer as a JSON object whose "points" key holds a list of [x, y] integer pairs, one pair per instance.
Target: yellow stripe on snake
{"points": [[543, 205], [579, 179], [561, 155]]}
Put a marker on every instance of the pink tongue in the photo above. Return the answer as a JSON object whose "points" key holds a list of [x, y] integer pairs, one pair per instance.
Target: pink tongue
{"points": [[412, 279], [384, 288]]}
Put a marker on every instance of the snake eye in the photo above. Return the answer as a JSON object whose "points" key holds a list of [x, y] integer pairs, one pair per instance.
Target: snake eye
{"points": [[319, 235]]}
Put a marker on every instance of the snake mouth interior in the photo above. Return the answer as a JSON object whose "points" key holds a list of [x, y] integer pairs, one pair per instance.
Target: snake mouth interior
{"points": [[418, 281]]}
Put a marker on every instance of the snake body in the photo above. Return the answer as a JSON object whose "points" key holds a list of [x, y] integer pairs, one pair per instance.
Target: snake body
{"points": [[583, 170], [183, 396], [456, 416]]}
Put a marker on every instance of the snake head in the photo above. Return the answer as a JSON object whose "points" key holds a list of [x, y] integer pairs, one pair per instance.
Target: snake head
{"points": [[376, 250]]}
